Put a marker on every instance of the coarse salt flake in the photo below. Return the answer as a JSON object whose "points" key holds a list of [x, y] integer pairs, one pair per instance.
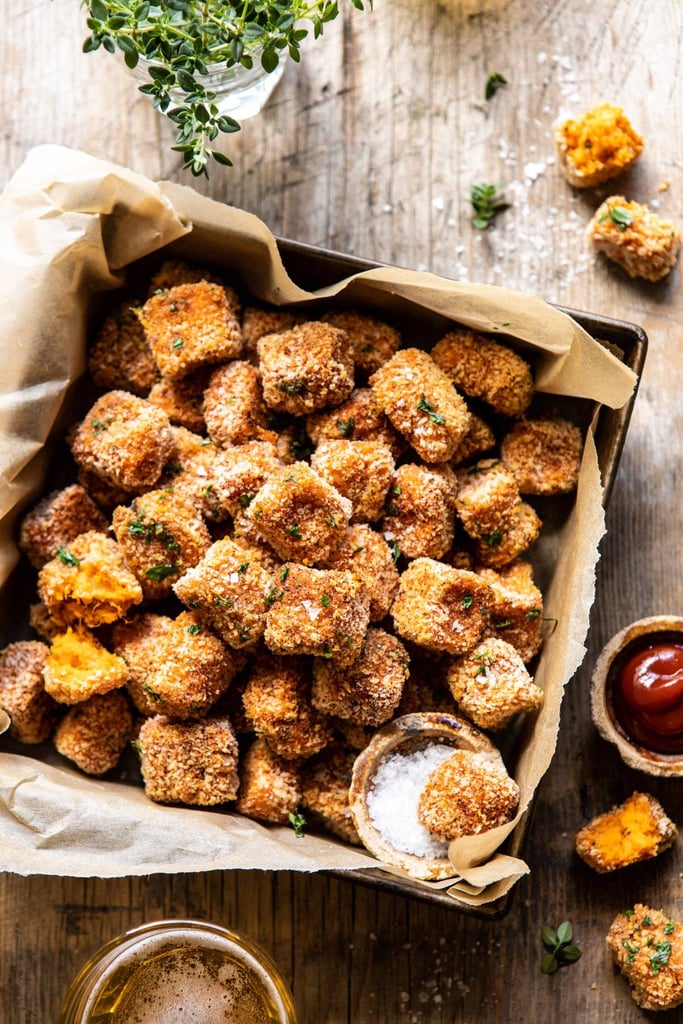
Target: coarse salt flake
{"points": [[311, 610]]}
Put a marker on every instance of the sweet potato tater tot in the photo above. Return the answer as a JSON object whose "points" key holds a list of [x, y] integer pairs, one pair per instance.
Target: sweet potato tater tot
{"points": [[78, 667], [419, 515], [125, 440], [120, 356], [305, 368], [359, 418], [487, 497], [325, 790], [94, 733], [485, 369], [190, 326], [517, 610], [183, 400], [422, 404], [491, 684], [360, 471], [511, 540], [55, 521], [241, 471], [373, 342], [543, 456], [32, 711], [137, 641], [258, 321], [465, 795], [367, 692], [367, 555], [269, 785], [189, 762], [234, 409]]}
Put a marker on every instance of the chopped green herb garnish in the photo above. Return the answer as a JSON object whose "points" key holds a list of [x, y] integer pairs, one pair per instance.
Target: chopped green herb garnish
{"points": [[284, 573], [247, 498], [98, 425], [395, 552], [493, 539], [178, 342], [67, 558], [294, 531], [194, 629], [493, 83], [346, 427], [618, 215], [151, 694], [297, 822], [424, 405], [325, 601], [243, 568], [159, 573], [468, 601], [661, 957], [172, 468], [274, 595], [292, 387]]}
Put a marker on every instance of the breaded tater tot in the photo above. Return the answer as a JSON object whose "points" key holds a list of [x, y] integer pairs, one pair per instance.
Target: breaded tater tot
{"points": [[32, 711], [507, 543], [422, 404], [483, 368], [241, 471], [359, 418], [120, 356], [79, 667], [487, 497], [269, 785], [55, 521], [647, 946], [162, 535], [360, 471], [125, 440], [183, 400], [367, 692], [194, 469], [367, 555], [373, 342], [174, 272], [258, 321], [544, 456], [517, 610], [467, 794], [277, 703], [189, 762], [325, 790], [478, 440], [419, 514], [234, 409], [305, 368], [229, 592], [491, 684], [40, 620], [300, 515], [190, 326], [441, 608], [321, 612], [88, 582], [94, 733], [137, 641]]}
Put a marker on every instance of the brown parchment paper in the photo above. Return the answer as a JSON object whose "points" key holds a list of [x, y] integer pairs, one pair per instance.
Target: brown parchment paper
{"points": [[69, 226]]}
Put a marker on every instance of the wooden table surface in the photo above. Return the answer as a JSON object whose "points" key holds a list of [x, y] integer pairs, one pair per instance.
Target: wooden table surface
{"points": [[369, 146]]}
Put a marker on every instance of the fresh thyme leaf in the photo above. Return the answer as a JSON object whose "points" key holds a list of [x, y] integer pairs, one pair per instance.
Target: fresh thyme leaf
{"points": [[424, 405], [487, 201], [297, 821], [558, 951], [294, 531], [618, 215], [493, 83], [67, 558]]}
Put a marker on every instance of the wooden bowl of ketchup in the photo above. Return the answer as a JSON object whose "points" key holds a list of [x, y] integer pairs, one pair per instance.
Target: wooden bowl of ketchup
{"points": [[637, 694]]}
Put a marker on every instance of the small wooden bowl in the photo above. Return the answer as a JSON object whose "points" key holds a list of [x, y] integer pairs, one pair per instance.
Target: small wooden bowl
{"points": [[408, 733], [620, 647]]}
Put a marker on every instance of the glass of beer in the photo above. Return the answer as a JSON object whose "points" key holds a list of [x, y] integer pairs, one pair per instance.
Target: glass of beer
{"points": [[179, 972]]}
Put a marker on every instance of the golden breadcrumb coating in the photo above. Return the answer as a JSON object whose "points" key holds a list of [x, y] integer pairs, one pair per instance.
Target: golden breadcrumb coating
{"points": [[191, 669], [229, 592], [119, 356], [487, 497], [189, 762], [466, 795], [478, 440], [367, 692], [367, 555], [598, 146], [419, 514], [234, 409], [88, 582], [359, 418], [258, 321], [78, 667], [41, 621], [321, 612], [94, 733], [162, 535], [636, 830], [325, 791], [300, 515], [491, 684], [441, 608], [125, 440], [373, 342], [422, 404], [32, 711], [360, 471], [137, 641], [485, 369], [305, 368], [506, 543], [190, 326], [516, 614], [56, 520], [278, 706], [269, 785], [544, 456], [183, 400], [628, 233], [105, 494], [241, 470], [195, 470], [647, 946], [174, 272]]}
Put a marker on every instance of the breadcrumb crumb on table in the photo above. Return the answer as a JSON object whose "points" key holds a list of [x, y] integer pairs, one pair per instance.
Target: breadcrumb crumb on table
{"points": [[491, 684], [636, 830], [647, 947], [598, 146], [94, 733], [368, 691], [544, 456], [485, 369], [33, 712], [305, 368], [79, 666], [269, 785], [189, 762], [419, 400], [467, 794], [57, 520], [277, 704], [629, 234]]}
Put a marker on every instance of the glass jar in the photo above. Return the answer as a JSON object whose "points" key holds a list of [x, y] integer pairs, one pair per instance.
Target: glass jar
{"points": [[179, 972]]}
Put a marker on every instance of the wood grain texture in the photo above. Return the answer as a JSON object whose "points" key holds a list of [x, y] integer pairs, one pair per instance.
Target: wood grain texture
{"points": [[369, 147]]}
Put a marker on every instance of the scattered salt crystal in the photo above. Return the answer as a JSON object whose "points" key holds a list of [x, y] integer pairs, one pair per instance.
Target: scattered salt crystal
{"points": [[393, 799], [438, 203], [387, 208], [312, 611], [533, 170], [234, 577]]}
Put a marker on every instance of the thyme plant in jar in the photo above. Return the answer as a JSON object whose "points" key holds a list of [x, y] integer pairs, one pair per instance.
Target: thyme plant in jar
{"points": [[206, 63]]}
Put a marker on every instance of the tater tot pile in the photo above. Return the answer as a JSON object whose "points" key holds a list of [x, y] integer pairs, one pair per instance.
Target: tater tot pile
{"points": [[286, 529]]}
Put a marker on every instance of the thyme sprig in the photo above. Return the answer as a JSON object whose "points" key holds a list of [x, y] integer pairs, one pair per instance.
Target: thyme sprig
{"points": [[184, 40], [487, 202], [558, 947]]}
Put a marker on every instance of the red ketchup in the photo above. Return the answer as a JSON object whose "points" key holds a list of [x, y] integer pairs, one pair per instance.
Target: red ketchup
{"points": [[648, 697]]}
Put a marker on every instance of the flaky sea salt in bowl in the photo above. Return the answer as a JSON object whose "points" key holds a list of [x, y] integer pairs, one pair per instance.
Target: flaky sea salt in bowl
{"points": [[389, 777]]}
